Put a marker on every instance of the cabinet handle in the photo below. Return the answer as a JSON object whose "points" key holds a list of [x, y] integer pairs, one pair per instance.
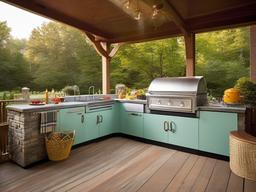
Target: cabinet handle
{"points": [[82, 119], [135, 114], [166, 126], [101, 118], [98, 119], [172, 127]]}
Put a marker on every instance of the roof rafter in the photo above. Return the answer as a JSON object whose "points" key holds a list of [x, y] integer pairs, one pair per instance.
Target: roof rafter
{"points": [[174, 15], [100, 48]]}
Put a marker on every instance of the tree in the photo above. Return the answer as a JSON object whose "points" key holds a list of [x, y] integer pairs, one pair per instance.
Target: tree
{"points": [[61, 56], [222, 57], [13, 66], [137, 65]]}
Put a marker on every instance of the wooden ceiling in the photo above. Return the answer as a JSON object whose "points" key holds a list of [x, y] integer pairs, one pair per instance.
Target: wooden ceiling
{"points": [[113, 22]]}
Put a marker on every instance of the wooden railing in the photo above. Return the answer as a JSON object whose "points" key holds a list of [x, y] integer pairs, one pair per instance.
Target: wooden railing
{"points": [[4, 127]]}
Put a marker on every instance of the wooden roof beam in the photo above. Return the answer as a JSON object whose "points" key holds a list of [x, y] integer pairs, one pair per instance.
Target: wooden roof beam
{"points": [[101, 48], [170, 11]]}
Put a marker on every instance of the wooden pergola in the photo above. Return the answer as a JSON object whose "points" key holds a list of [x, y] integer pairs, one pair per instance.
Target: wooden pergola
{"points": [[107, 22]]}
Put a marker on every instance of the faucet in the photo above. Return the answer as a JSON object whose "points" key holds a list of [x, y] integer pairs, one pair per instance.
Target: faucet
{"points": [[91, 87]]}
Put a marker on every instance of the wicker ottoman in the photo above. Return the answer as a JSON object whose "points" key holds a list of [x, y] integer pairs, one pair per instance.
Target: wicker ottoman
{"points": [[243, 154]]}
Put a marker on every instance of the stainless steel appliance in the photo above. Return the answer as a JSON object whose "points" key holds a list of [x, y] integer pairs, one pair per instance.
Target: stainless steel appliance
{"points": [[177, 94]]}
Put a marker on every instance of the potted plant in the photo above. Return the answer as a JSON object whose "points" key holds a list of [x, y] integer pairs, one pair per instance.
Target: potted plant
{"points": [[248, 92]]}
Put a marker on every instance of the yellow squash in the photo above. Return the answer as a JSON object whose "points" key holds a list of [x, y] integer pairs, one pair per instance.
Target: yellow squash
{"points": [[232, 96]]}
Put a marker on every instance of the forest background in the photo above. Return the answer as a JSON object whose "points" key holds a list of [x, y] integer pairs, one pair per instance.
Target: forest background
{"points": [[56, 55]]}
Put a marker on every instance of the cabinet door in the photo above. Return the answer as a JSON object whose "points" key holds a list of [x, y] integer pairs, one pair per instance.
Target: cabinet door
{"points": [[154, 128], [92, 129], [183, 131], [132, 123], [106, 126], [214, 129], [73, 119]]}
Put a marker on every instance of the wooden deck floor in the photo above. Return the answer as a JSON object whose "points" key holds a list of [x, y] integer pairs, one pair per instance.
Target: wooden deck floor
{"points": [[120, 164]]}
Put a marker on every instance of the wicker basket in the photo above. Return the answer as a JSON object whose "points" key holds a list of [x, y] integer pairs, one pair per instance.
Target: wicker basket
{"points": [[243, 154], [58, 145]]}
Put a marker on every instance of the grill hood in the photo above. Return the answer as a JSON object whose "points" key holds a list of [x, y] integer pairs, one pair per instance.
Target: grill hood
{"points": [[177, 94], [178, 85]]}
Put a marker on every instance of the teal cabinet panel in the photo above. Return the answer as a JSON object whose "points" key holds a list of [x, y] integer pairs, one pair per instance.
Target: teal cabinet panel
{"points": [[154, 128], [92, 128], [183, 131], [214, 129], [132, 123], [73, 119], [107, 122]]}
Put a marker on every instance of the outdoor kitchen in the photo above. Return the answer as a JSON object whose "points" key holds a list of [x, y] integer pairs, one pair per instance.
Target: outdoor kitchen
{"points": [[129, 95], [184, 98]]}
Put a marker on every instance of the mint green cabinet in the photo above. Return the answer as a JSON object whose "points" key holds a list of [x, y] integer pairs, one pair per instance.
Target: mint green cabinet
{"points": [[155, 128], [214, 128], [73, 119], [180, 131], [92, 129], [101, 123], [183, 131], [107, 122], [131, 122]]}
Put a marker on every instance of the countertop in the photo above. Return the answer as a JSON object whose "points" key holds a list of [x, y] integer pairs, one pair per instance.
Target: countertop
{"points": [[139, 101], [48, 107], [223, 108]]}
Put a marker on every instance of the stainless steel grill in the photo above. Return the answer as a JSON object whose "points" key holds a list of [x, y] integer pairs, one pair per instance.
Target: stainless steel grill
{"points": [[177, 94]]}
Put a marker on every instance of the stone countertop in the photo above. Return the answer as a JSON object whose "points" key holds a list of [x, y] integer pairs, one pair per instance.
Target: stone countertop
{"points": [[139, 101], [46, 107], [223, 108]]}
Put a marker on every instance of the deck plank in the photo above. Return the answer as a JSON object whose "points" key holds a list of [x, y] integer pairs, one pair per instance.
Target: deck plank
{"points": [[120, 164], [136, 182], [44, 176], [235, 183], [88, 180], [220, 177], [182, 174], [161, 179], [249, 185], [133, 168], [193, 175], [204, 176]]}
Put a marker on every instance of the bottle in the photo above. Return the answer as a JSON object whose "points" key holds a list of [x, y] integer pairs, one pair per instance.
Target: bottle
{"points": [[46, 97]]}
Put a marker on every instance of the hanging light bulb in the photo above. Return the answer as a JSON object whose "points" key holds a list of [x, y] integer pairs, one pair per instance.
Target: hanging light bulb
{"points": [[137, 15], [156, 10], [137, 12], [127, 4]]}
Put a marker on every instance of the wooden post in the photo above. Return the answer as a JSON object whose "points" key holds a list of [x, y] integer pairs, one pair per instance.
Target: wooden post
{"points": [[190, 53], [106, 69], [253, 53]]}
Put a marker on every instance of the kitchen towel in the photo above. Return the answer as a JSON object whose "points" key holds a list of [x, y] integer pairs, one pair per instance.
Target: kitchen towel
{"points": [[48, 121]]}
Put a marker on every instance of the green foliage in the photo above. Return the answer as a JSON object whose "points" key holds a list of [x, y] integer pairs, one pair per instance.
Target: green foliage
{"points": [[136, 65], [60, 55], [248, 90], [57, 55], [222, 57], [13, 66]]}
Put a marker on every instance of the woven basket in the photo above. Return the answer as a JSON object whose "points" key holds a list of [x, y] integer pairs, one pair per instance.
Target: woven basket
{"points": [[243, 154], [58, 145]]}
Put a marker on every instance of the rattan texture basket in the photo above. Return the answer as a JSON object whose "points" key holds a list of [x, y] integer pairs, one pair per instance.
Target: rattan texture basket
{"points": [[243, 154], [58, 145]]}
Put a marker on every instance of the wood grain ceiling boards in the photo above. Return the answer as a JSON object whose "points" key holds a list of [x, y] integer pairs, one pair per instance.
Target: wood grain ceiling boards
{"points": [[109, 20]]}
